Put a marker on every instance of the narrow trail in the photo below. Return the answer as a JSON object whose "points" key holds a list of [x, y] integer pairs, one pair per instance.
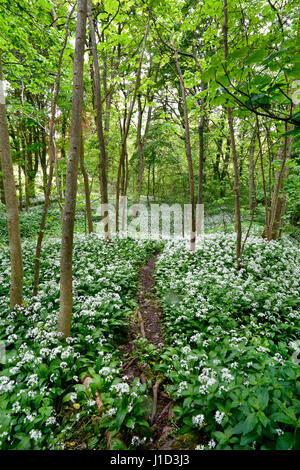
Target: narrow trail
{"points": [[147, 324]]}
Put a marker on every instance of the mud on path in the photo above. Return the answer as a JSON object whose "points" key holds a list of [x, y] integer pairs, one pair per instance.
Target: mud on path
{"points": [[147, 324], [150, 312]]}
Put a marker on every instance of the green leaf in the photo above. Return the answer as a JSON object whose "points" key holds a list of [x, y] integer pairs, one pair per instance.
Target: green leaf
{"points": [[283, 418], [248, 438], [262, 418], [255, 57], [285, 441], [130, 423], [246, 426], [92, 442], [24, 443], [121, 416], [116, 444], [186, 428], [263, 398], [238, 53]]}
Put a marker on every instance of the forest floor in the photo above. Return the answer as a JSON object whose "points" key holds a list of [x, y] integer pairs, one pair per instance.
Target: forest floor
{"points": [[147, 324], [173, 344]]}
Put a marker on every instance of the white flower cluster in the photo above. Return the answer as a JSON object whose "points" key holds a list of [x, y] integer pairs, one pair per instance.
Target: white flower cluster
{"points": [[198, 420], [219, 417], [120, 388]]}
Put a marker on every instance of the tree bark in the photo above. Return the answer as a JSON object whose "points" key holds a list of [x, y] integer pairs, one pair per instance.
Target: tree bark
{"points": [[16, 279], [2, 196], [65, 312]]}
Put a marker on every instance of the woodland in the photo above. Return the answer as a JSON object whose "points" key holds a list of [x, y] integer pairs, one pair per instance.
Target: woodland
{"points": [[143, 339]]}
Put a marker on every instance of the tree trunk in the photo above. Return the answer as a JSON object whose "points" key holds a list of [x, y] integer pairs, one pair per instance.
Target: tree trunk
{"points": [[252, 198], [140, 146], [237, 205], [188, 152], [32, 165], [99, 124], [43, 160], [142, 138], [128, 120], [224, 171], [20, 188], [86, 187], [201, 148], [16, 280], [199, 211], [25, 170], [52, 156], [64, 319], [279, 197]]}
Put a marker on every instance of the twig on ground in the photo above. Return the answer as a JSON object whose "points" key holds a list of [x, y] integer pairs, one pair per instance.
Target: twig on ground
{"points": [[142, 325], [155, 392]]}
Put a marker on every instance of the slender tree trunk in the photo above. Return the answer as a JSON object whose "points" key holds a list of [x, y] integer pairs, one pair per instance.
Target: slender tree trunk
{"points": [[224, 171], [65, 312], [99, 124], [201, 160], [25, 170], [124, 194], [237, 205], [140, 146], [148, 184], [109, 93], [63, 137], [86, 187], [261, 156], [52, 157], [153, 178], [43, 160], [199, 213], [57, 178], [188, 152], [252, 198], [142, 138], [16, 279], [201, 147], [31, 164], [128, 120], [279, 197], [20, 188]]}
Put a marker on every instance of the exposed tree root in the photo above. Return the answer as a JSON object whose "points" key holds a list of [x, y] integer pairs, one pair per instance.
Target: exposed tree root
{"points": [[99, 404], [155, 392], [142, 325]]}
